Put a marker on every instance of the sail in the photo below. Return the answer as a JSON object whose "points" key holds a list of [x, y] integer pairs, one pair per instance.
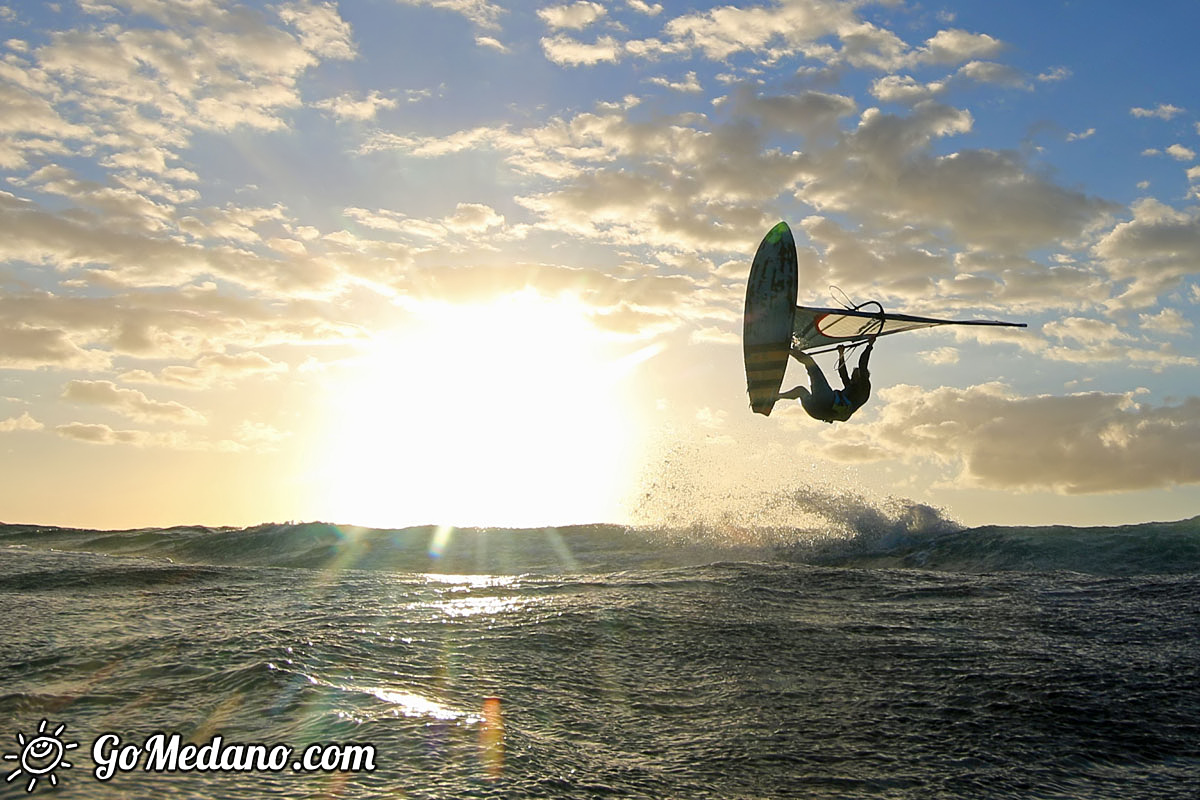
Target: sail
{"points": [[816, 329]]}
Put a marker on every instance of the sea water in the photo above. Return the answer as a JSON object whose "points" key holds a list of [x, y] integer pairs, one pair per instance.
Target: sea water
{"points": [[903, 657]]}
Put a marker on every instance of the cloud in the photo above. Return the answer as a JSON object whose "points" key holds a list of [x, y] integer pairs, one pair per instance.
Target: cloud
{"points": [[213, 369], [21, 423], [689, 83], [30, 124], [24, 346], [349, 106], [574, 15], [100, 434], [483, 13], [990, 72], [1153, 252], [884, 171], [135, 257], [642, 7], [129, 402], [130, 95], [494, 44], [1181, 153], [1014, 282], [467, 220], [322, 31], [86, 333], [956, 46], [813, 114], [1075, 444], [705, 181], [1161, 111], [941, 356], [474, 218], [1082, 340], [259, 436], [806, 28], [1054, 75], [1089, 332], [905, 89], [796, 27], [566, 51], [1168, 321]]}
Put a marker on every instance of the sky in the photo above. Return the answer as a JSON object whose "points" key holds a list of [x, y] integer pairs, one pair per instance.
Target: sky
{"points": [[481, 262]]}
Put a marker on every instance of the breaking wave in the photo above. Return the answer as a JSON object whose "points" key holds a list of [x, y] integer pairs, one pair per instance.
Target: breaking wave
{"points": [[836, 531]]}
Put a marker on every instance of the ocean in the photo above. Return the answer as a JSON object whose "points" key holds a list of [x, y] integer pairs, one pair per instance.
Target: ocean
{"points": [[888, 654]]}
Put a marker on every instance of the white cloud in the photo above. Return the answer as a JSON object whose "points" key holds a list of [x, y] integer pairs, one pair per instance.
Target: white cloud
{"points": [[474, 218], [468, 220], [356, 107], [574, 16], [956, 46], [642, 7], [100, 434], [1169, 321], [991, 72], [689, 83], [259, 435], [1085, 331], [1181, 153], [1055, 74], [21, 423], [797, 26], [1076, 444], [566, 51], [884, 170], [905, 89], [322, 31], [129, 402], [1161, 111], [941, 356], [25, 346], [1075, 137], [700, 181], [129, 96], [490, 42], [1153, 252], [146, 258], [482, 13], [212, 369]]}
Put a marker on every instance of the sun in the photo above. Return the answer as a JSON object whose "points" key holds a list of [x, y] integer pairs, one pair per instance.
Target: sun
{"points": [[510, 414], [40, 756]]}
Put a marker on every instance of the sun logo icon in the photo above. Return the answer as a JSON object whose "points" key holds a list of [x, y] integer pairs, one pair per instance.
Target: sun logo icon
{"points": [[40, 756]]}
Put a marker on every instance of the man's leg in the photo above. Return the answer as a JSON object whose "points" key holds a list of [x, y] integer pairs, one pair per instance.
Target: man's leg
{"points": [[821, 395]]}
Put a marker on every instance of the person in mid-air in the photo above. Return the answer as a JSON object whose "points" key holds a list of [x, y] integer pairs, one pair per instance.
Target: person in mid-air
{"points": [[826, 403]]}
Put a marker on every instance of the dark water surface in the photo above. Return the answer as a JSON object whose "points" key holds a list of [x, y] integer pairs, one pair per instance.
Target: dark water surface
{"points": [[628, 676]]}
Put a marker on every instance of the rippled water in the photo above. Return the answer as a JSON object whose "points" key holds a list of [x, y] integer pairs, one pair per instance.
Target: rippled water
{"points": [[730, 679]]}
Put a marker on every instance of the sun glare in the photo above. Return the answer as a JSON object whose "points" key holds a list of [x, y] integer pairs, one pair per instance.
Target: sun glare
{"points": [[509, 414]]}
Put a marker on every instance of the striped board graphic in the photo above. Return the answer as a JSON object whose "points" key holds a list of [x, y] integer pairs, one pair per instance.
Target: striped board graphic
{"points": [[767, 325]]}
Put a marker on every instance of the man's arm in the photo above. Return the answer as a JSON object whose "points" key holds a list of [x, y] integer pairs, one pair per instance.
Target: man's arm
{"points": [[866, 354], [842, 365]]}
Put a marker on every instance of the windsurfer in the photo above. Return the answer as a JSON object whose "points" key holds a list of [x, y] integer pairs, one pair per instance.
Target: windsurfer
{"points": [[826, 403]]}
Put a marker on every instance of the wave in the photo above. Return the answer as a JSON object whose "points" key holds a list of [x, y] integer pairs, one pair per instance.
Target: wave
{"points": [[853, 533]]}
